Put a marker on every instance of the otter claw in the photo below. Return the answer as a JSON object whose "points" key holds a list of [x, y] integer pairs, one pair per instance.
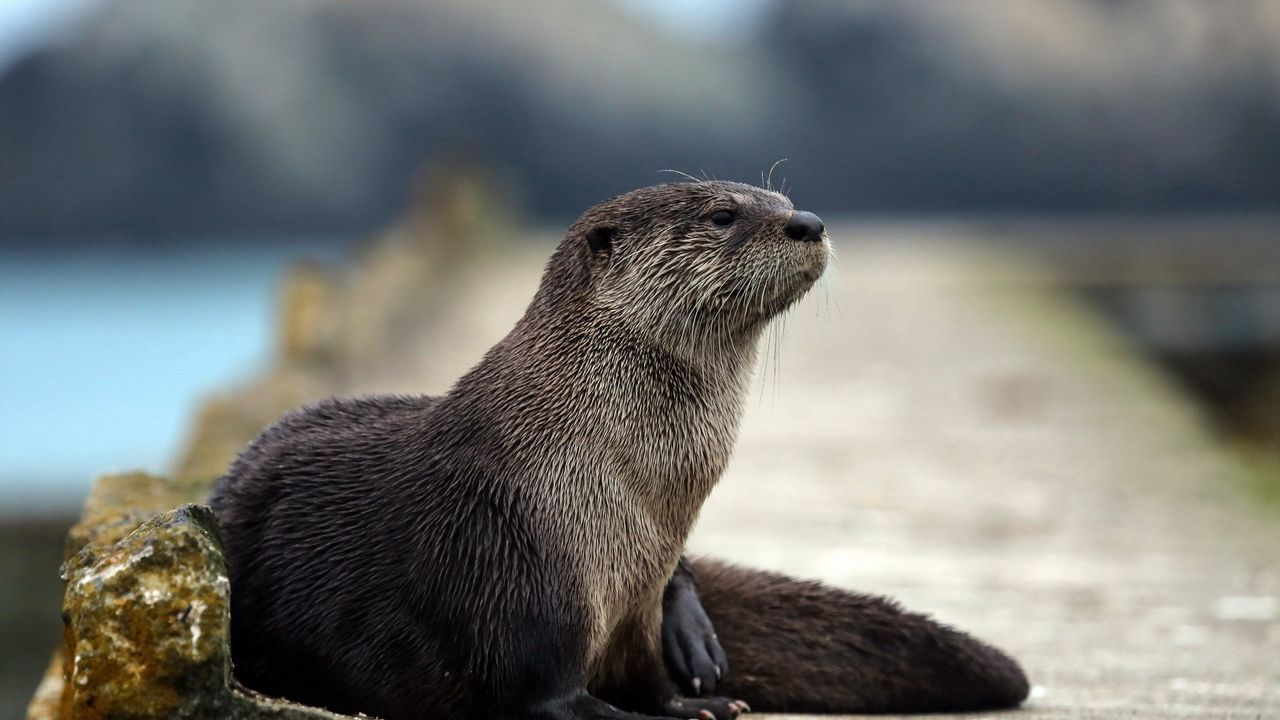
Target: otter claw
{"points": [[692, 654]]}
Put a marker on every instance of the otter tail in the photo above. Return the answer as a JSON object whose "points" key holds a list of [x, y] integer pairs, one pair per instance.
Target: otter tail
{"points": [[799, 646]]}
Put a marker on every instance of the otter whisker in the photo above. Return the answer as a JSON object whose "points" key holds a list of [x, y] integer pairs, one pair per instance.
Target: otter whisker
{"points": [[683, 174], [768, 183], [829, 280], [782, 338]]}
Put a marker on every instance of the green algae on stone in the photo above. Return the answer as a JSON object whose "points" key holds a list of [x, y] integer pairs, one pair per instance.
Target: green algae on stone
{"points": [[146, 628]]}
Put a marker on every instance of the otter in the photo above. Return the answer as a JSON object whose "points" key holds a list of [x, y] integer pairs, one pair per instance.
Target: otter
{"points": [[514, 548]]}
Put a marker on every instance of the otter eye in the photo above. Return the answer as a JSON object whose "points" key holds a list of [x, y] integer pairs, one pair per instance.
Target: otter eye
{"points": [[722, 217]]}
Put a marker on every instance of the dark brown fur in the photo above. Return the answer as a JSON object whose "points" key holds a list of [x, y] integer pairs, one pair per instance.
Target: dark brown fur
{"points": [[805, 647], [505, 550]]}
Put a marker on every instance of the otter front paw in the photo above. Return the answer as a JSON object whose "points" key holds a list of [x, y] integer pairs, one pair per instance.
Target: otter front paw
{"points": [[713, 708], [692, 653]]}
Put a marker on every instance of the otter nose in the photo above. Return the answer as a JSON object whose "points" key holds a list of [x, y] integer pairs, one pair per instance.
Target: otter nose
{"points": [[805, 226]]}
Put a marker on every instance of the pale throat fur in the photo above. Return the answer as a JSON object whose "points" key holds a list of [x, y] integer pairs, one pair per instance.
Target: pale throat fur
{"points": [[626, 464]]}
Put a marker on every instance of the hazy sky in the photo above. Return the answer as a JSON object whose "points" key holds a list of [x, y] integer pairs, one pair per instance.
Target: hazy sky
{"points": [[26, 24], [705, 19]]}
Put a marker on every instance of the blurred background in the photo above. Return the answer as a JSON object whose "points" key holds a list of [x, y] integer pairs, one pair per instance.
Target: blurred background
{"points": [[165, 166]]}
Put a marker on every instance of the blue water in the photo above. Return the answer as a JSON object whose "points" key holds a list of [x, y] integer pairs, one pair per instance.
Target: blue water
{"points": [[106, 352]]}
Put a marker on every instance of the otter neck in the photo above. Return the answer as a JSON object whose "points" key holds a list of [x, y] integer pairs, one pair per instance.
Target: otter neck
{"points": [[638, 420]]}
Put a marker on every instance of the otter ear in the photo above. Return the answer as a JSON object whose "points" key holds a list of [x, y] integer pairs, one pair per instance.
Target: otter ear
{"points": [[600, 239]]}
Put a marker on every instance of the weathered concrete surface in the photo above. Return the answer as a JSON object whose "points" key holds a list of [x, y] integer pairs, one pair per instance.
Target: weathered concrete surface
{"points": [[937, 424], [951, 433]]}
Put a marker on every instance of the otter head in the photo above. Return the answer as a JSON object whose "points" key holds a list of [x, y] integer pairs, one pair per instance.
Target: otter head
{"points": [[691, 266]]}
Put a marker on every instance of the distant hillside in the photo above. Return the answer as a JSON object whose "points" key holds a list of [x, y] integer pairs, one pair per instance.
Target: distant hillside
{"points": [[243, 116]]}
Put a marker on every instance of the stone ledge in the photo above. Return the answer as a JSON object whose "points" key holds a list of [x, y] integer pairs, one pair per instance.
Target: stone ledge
{"points": [[146, 615]]}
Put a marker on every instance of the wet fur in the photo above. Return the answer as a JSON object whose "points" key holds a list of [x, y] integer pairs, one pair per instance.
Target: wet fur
{"points": [[805, 647], [502, 550]]}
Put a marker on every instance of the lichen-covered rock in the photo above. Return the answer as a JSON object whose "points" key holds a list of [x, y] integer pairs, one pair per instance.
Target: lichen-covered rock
{"points": [[47, 701], [146, 628], [118, 504]]}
